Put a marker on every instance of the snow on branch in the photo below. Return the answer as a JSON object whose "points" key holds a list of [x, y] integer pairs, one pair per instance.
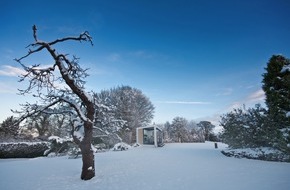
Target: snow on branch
{"points": [[73, 104], [38, 77], [44, 80], [85, 36], [29, 110]]}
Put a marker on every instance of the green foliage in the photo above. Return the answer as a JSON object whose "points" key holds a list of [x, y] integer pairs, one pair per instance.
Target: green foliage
{"points": [[247, 128], [276, 84], [258, 126], [207, 128], [9, 127]]}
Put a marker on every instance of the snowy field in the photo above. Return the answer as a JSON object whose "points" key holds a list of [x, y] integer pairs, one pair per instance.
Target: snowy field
{"points": [[172, 167]]}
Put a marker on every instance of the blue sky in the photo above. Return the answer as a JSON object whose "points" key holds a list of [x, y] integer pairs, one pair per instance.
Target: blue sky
{"points": [[193, 58]]}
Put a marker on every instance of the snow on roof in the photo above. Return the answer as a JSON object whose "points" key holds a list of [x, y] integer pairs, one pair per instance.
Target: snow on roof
{"points": [[150, 127]]}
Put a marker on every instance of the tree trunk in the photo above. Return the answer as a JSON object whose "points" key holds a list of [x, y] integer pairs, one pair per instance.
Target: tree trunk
{"points": [[88, 169]]}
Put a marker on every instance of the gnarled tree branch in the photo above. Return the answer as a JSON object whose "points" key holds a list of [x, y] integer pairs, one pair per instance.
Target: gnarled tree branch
{"points": [[73, 94]]}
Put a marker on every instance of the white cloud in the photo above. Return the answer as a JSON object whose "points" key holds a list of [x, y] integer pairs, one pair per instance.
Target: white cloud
{"points": [[183, 102], [11, 71], [256, 96], [253, 98]]}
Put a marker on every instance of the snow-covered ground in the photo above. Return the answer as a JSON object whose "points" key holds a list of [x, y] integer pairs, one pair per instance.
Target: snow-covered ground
{"points": [[172, 167]]}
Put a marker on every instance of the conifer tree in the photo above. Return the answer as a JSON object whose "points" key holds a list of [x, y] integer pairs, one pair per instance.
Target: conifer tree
{"points": [[276, 84], [9, 127]]}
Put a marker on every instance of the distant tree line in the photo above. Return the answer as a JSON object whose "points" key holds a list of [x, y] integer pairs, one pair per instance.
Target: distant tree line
{"points": [[119, 111], [183, 131], [264, 127]]}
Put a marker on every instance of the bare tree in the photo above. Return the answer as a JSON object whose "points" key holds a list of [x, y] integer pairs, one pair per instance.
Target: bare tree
{"points": [[41, 122], [207, 128], [133, 107], [179, 130], [61, 83]]}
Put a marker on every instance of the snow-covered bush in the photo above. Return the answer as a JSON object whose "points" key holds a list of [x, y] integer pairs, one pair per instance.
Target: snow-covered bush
{"points": [[23, 149], [99, 147], [74, 152], [263, 153], [104, 137], [249, 128], [58, 146], [121, 146], [136, 145]]}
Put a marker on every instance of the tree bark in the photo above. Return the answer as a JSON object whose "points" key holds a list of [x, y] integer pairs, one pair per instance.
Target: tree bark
{"points": [[88, 169]]}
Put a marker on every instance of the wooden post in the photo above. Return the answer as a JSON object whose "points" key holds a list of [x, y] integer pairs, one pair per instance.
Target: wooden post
{"points": [[155, 137], [137, 135], [215, 145]]}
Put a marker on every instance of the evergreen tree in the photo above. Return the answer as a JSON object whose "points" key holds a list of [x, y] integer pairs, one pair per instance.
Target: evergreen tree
{"points": [[276, 84], [257, 126], [233, 128], [249, 129], [9, 127]]}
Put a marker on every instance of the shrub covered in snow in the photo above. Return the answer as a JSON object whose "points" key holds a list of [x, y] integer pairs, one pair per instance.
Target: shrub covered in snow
{"points": [[136, 145], [74, 152], [58, 146], [121, 146], [265, 153], [23, 149]]}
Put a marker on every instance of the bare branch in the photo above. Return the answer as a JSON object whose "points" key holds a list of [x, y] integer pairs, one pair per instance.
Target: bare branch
{"points": [[67, 73], [75, 106], [34, 32], [85, 36], [39, 78], [30, 110], [30, 52]]}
